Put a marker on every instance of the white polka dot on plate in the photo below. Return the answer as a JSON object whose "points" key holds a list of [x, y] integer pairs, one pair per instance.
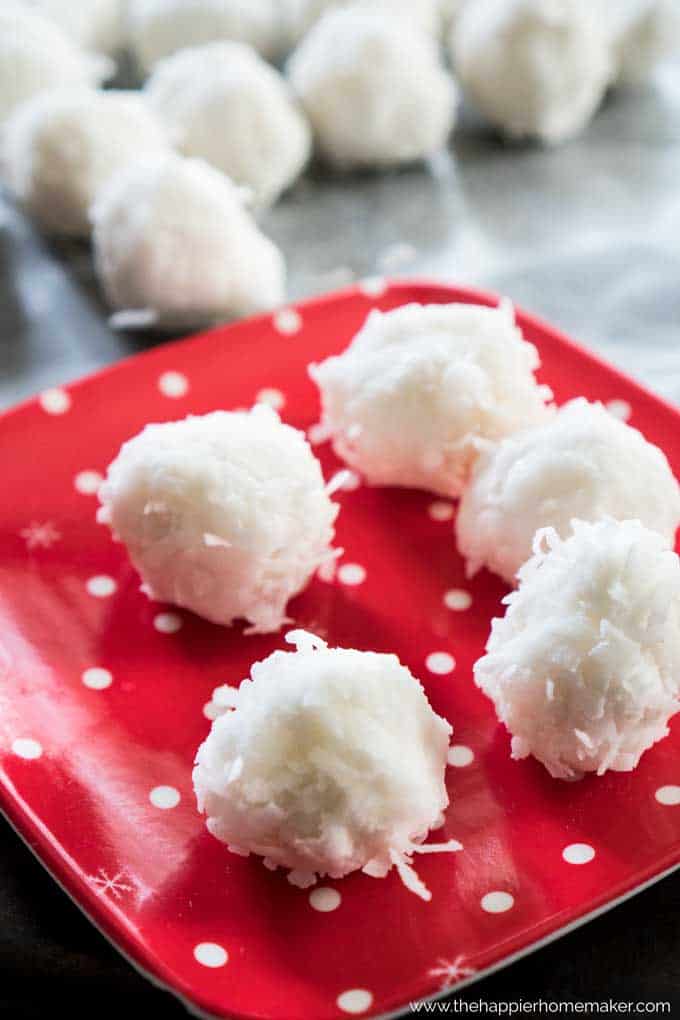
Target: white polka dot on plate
{"points": [[101, 586], [87, 482], [271, 397], [210, 954], [373, 286], [497, 902], [167, 623], [355, 1000], [164, 797], [324, 899], [173, 385], [459, 756], [668, 795], [287, 321], [440, 510], [55, 401], [578, 853], [97, 679], [457, 599], [351, 574], [25, 747], [440, 663], [619, 409]]}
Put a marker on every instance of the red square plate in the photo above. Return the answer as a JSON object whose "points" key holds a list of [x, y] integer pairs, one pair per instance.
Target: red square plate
{"points": [[102, 699]]}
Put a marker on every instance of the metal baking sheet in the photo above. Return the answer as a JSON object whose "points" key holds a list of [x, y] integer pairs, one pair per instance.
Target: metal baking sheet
{"points": [[586, 235]]}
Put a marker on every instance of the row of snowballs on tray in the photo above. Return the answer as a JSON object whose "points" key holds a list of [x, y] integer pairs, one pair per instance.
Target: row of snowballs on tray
{"points": [[534, 67], [164, 178], [167, 179], [330, 760]]}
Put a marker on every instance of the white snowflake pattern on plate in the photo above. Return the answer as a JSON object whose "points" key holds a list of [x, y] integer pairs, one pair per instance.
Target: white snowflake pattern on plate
{"points": [[40, 536], [113, 884], [450, 972]]}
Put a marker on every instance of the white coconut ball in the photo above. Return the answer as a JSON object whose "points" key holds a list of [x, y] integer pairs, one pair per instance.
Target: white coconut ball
{"points": [[60, 148], [331, 761], [36, 56], [374, 89], [93, 24], [303, 14], [224, 104], [422, 388], [584, 463], [225, 514], [644, 33], [174, 244], [534, 68], [158, 28], [584, 668]]}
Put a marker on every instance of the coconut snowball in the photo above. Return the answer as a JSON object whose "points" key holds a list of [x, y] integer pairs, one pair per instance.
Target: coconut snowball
{"points": [[225, 514], [93, 24], [158, 28], [302, 14], [420, 389], [644, 33], [583, 463], [534, 68], [224, 104], [60, 148], [36, 56], [584, 668], [174, 246], [373, 88], [331, 761]]}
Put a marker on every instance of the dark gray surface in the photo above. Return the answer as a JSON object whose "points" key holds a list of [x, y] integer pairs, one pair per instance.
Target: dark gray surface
{"points": [[588, 237]]}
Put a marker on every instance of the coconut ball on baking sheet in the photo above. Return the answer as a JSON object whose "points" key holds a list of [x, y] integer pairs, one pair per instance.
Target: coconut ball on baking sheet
{"points": [[60, 148], [303, 14], [36, 56], [374, 89], [93, 24], [158, 28], [420, 389], [331, 761], [644, 33], [226, 514], [584, 668], [224, 104], [533, 68], [582, 463], [174, 246]]}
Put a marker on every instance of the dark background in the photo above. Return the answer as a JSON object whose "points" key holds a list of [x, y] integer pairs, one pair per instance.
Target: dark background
{"points": [[53, 962]]}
